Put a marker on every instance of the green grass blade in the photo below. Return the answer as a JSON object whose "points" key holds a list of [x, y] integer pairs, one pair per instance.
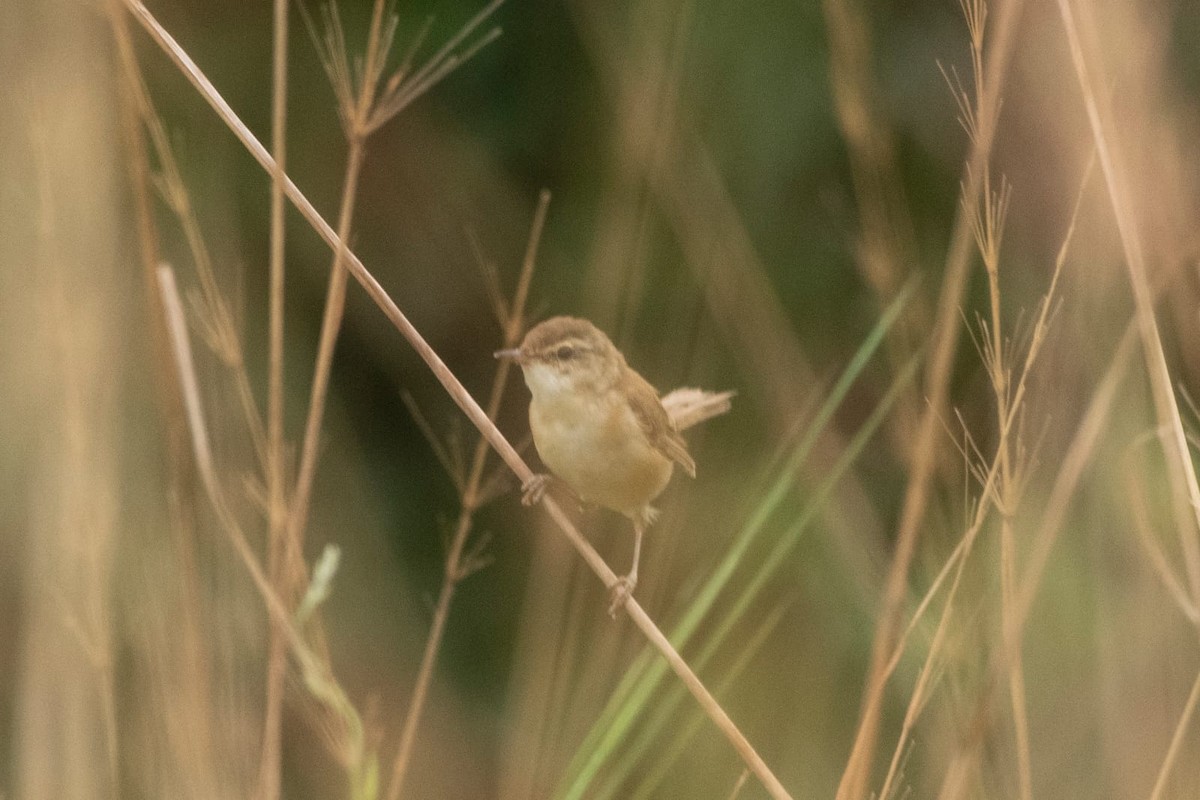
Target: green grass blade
{"points": [[635, 688], [783, 548]]}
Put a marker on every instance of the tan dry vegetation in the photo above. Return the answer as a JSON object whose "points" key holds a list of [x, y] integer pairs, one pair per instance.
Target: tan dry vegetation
{"points": [[947, 544]]}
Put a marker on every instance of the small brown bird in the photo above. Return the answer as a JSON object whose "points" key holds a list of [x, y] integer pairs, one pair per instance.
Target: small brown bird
{"points": [[601, 428]]}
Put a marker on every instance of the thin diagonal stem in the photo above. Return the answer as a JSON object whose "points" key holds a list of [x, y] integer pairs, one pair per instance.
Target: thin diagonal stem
{"points": [[1189, 708], [464, 400], [335, 299], [470, 500], [1181, 472], [335, 304], [218, 319]]}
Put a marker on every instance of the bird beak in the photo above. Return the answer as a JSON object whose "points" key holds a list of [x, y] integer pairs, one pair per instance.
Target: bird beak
{"points": [[514, 354]]}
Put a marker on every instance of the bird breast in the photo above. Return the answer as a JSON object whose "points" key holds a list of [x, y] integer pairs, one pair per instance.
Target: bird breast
{"points": [[593, 442]]}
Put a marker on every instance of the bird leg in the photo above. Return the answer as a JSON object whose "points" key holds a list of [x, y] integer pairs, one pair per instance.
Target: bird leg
{"points": [[623, 588], [534, 489]]}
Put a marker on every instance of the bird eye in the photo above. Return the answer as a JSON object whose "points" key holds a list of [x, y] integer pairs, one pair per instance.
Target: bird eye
{"points": [[565, 352]]}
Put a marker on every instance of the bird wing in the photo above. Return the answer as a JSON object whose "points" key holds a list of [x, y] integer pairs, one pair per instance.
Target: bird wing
{"points": [[657, 425]]}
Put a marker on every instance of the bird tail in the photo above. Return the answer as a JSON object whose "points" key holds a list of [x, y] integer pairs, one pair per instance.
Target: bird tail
{"points": [[688, 407]]}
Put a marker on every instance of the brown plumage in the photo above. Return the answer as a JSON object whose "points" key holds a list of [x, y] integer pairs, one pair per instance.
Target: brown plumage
{"points": [[601, 427]]}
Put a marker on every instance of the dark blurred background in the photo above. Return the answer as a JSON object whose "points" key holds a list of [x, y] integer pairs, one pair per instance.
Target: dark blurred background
{"points": [[738, 191]]}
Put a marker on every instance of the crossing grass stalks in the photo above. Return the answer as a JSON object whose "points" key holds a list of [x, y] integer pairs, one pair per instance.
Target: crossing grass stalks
{"points": [[907, 568]]}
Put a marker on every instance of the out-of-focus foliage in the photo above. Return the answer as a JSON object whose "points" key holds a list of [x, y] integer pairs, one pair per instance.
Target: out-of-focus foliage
{"points": [[727, 179]]}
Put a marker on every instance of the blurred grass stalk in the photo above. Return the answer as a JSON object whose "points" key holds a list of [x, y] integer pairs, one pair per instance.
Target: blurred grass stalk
{"points": [[1181, 470], [199, 716], [981, 121], [362, 109], [66, 715], [286, 569], [343, 726], [636, 688], [884, 248], [278, 545], [475, 488], [719, 717]]}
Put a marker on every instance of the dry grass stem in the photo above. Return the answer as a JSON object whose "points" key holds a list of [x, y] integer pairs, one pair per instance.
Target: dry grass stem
{"points": [[402, 89], [997, 355], [991, 62], [926, 678], [741, 782], [491, 280], [464, 400], [277, 539], [1185, 718], [356, 105], [1148, 539], [194, 751], [1180, 470], [986, 478], [215, 319], [461, 561], [1075, 461], [451, 462], [198, 428], [1002, 487], [72, 590], [661, 724], [988, 499], [345, 726], [352, 108], [885, 248], [1003, 483], [360, 107], [952, 279]]}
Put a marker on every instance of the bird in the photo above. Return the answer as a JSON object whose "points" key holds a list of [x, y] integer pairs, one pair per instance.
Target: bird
{"points": [[602, 428]]}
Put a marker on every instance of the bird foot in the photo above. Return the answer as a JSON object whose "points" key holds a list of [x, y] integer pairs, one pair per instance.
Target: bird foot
{"points": [[534, 489], [619, 593]]}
